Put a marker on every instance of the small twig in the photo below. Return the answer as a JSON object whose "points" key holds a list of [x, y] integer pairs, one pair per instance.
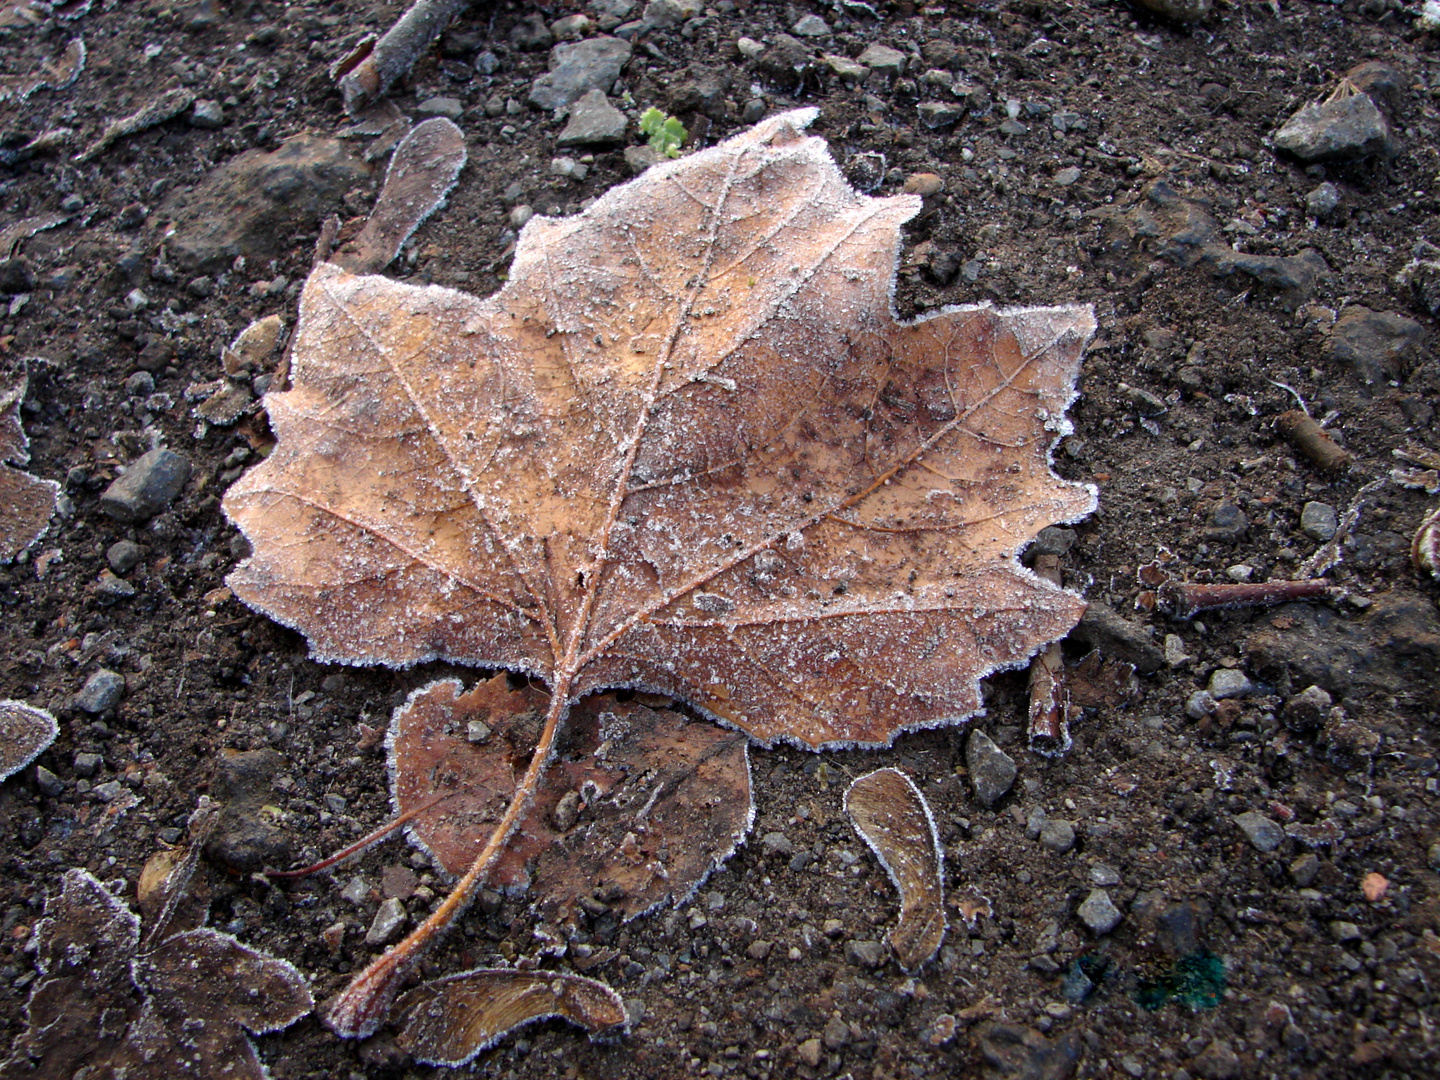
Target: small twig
{"points": [[1328, 554], [364, 842], [1182, 599], [1303, 432], [396, 53]]}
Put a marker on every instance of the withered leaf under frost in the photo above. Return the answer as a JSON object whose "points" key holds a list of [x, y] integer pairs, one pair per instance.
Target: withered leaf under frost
{"points": [[638, 807], [687, 448], [26, 502], [25, 733]]}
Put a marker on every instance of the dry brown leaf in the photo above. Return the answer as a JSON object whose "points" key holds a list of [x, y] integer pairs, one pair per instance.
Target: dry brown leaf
{"points": [[687, 449], [26, 502], [893, 818], [104, 1004], [25, 733], [450, 1020], [636, 810]]}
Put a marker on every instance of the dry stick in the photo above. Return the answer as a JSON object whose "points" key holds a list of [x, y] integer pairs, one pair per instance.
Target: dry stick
{"points": [[360, 1008], [1182, 599], [396, 53], [364, 842], [1305, 433]]}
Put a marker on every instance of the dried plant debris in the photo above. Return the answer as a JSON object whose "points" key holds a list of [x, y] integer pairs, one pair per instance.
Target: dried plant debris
{"points": [[369, 74], [600, 477], [1425, 548], [25, 733], [636, 810], [54, 74], [108, 1007], [13, 235], [892, 817], [423, 171], [451, 1020], [166, 107], [26, 502]]}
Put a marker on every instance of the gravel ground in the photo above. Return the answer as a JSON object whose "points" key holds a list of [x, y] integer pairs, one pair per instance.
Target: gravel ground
{"points": [[1229, 874]]}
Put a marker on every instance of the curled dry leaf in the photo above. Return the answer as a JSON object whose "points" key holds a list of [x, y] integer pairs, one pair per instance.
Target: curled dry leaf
{"points": [[450, 1020], [688, 448], [104, 1004], [1425, 548], [636, 810], [25, 733], [364, 76], [54, 74], [26, 502], [422, 172], [893, 818]]}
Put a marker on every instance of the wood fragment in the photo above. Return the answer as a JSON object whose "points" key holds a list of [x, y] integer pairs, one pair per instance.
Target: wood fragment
{"points": [[1304, 433], [392, 57], [1183, 599], [166, 107]]}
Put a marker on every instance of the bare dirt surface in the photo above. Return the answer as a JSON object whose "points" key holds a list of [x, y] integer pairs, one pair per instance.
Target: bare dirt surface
{"points": [[1138, 922]]}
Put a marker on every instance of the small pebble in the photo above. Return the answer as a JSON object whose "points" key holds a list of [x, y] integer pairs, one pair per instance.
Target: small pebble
{"points": [[1344, 932], [87, 764], [448, 107], [1305, 869], [48, 783], [1262, 833], [992, 771], [810, 26], [1099, 913], [1323, 201], [356, 890], [101, 692], [1057, 835], [1229, 683], [147, 486], [924, 183], [387, 924], [1374, 886], [1200, 704], [866, 954], [207, 115], [777, 843], [1319, 521]]}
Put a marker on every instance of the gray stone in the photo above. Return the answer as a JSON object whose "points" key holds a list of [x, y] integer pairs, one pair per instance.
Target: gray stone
{"points": [[569, 168], [1263, 833], [1180, 10], [847, 69], [531, 34], [1068, 176], [1226, 524], [572, 27], [885, 60], [110, 588], [1057, 835], [1323, 200], [810, 26], [87, 764], [124, 555], [388, 922], [1379, 345], [1099, 913], [1104, 874], [1178, 929], [207, 115], [992, 771], [1319, 521], [866, 954], [1051, 540], [1345, 128], [786, 59], [48, 783], [1016, 1053], [640, 158], [448, 107], [810, 1053], [1229, 683], [576, 69], [1103, 628], [101, 692], [1292, 273], [836, 1034], [146, 487], [1307, 710], [257, 202], [665, 14], [938, 114], [246, 836], [593, 122], [1305, 869], [777, 843], [355, 890], [1217, 1062]]}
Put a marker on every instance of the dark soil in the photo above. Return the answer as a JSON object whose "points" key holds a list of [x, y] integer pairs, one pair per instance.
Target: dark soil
{"points": [[1318, 981]]}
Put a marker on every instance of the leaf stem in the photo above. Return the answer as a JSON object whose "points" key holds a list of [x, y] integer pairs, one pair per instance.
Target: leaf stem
{"points": [[359, 1009]]}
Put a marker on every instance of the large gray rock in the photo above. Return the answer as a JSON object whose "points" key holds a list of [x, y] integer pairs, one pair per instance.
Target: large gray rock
{"points": [[1296, 274], [147, 486], [258, 204], [1349, 127], [593, 122], [576, 69]]}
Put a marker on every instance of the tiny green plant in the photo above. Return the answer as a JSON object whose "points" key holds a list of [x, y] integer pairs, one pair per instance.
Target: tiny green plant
{"points": [[666, 133]]}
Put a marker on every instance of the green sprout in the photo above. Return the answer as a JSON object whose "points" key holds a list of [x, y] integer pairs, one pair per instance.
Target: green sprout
{"points": [[666, 133]]}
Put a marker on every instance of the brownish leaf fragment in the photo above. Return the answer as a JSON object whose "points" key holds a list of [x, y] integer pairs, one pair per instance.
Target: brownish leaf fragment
{"points": [[424, 168], [26, 502], [105, 1005], [25, 733], [636, 810], [893, 818], [450, 1020], [56, 74], [687, 449]]}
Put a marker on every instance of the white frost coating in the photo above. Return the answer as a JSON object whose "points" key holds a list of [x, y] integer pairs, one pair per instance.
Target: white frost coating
{"points": [[35, 719]]}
